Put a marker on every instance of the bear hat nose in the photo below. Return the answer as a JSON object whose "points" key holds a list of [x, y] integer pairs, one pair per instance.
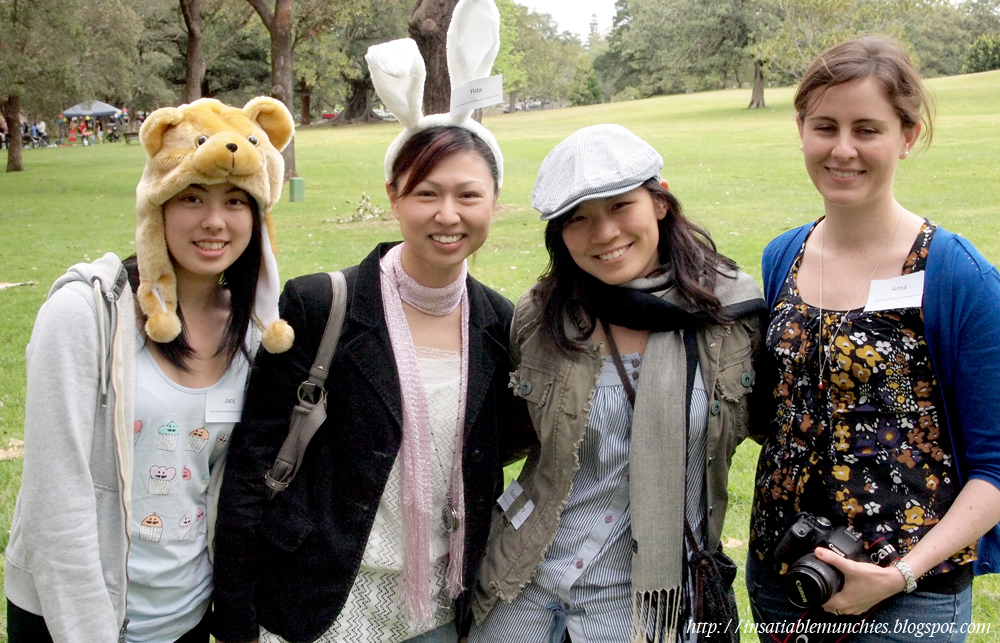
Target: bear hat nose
{"points": [[232, 147]]}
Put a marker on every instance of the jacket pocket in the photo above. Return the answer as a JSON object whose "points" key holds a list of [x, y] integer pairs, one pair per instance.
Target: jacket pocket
{"points": [[533, 383], [284, 526]]}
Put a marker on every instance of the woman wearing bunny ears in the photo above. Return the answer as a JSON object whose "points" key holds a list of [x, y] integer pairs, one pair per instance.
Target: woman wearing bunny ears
{"points": [[636, 355], [125, 426], [379, 537]]}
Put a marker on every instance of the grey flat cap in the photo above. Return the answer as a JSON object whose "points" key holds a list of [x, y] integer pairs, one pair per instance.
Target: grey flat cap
{"points": [[595, 162]]}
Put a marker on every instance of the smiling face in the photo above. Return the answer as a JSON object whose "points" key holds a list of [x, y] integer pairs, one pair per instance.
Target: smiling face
{"points": [[852, 140], [445, 218], [207, 228], [616, 239]]}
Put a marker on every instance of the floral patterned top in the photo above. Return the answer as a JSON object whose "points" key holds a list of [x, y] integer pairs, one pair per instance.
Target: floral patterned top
{"points": [[872, 449]]}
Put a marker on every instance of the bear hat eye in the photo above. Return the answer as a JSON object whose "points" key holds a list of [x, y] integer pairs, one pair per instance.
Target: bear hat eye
{"points": [[202, 139], [253, 139]]}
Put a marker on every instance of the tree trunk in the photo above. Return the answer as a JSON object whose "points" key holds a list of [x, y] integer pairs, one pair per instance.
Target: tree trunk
{"points": [[358, 108], [757, 96], [279, 26], [429, 28], [194, 58], [513, 102], [282, 75], [305, 93], [12, 114]]}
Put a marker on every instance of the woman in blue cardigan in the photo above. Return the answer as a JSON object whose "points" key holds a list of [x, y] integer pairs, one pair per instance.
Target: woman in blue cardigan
{"points": [[885, 340]]}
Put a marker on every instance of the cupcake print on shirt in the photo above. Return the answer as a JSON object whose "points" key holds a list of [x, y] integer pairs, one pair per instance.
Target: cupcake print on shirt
{"points": [[151, 528], [168, 435], [186, 476], [184, 531], [220, 442], [197, 440], [160, 479]]}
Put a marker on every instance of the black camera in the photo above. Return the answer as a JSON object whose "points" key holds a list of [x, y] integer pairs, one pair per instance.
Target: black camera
{"points": [[810, 582]]}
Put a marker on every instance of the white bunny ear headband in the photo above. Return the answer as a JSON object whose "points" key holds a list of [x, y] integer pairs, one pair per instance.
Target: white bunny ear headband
{"points": [[398, 73]]}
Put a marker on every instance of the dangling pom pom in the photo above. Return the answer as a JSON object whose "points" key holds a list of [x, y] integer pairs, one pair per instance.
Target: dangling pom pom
{"points": [[278, 337], [163, 327]]}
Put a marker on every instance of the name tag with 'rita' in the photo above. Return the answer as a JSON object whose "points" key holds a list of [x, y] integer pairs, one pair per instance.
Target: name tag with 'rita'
{"points": [[225, 405], [482, 92], [902, 292]]}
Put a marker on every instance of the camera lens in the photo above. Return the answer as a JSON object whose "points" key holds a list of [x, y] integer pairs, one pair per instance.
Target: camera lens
{"points": [[811, 582]]}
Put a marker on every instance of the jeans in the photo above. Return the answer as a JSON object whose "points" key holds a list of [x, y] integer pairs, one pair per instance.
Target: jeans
{"points": [[447, 633], [25, 627], [902, 618]]}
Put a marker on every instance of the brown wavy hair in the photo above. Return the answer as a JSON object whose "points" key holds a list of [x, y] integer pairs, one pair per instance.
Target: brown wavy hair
{"points": [[877, 57], [686, 249]]}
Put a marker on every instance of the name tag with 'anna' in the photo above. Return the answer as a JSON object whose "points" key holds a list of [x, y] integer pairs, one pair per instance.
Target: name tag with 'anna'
{"points": [[901, 292]]}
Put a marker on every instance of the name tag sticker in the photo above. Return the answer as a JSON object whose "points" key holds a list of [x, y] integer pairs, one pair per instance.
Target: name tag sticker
{"points": [[482, 92], [224, 405], [901, 292], [510, 495], [522, 515]]}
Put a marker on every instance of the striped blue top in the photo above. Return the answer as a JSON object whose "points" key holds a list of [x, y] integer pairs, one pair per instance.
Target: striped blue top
{"points": [[585, 584]]}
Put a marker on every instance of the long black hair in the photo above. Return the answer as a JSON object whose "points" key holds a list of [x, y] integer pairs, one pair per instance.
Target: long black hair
{"points": [[686, 250], [241, 281]]}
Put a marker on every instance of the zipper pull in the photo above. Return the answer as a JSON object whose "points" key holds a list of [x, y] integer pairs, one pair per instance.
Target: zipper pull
{"points": [[121, 633]]}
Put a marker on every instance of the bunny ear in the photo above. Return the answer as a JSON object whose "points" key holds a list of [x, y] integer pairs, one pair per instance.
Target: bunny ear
{"points": [[398, 74], [473, 40]]}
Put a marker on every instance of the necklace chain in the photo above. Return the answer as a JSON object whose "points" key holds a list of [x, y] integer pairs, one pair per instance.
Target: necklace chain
{"points": [[826, 351]]}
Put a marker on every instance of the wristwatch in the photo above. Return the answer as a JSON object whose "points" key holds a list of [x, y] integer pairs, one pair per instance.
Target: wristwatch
{"points": [[904, 569]]}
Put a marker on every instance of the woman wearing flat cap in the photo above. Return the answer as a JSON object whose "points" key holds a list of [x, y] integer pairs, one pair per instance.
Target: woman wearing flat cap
{"points": [[635, 352]]}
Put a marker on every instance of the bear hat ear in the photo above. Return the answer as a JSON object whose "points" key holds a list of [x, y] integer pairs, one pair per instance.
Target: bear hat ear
{"points": [[151, 132], [273, 117]]}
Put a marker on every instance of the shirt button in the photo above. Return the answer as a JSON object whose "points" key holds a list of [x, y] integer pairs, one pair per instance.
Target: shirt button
{"points": [[715, 408], [712, 345], [526, 387], [579, 564], [635, 363], [747, 379], [635, 375], [608, 519], [565, 606]]}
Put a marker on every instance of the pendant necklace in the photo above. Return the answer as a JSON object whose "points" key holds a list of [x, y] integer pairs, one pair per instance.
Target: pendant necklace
{"points": [[826, 352]]}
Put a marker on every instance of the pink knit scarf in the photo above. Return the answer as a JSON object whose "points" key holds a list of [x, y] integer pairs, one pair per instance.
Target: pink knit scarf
{"points": [[415, 452]]}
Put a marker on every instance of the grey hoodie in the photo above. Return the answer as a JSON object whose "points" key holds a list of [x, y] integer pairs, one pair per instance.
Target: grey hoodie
{"points": [[68, 551], [66, 558]]}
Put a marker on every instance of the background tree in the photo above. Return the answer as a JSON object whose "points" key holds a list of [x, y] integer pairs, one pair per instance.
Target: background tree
{"points": [[429, 24], [54, 53], [331, 66], [984, 55]]}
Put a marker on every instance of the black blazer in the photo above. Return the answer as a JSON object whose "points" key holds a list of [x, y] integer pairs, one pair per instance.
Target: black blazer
{"points": [[289, 564]]}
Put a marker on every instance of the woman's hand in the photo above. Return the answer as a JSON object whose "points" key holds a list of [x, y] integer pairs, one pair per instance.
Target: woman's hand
{"points": [[865, 584]]}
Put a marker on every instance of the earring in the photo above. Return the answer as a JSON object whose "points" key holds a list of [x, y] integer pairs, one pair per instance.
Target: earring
{"points": [[800, 148], [904, 154]]}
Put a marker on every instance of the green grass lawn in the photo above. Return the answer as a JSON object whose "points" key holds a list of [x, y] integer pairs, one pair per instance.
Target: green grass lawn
{"points": [[737, 172]]}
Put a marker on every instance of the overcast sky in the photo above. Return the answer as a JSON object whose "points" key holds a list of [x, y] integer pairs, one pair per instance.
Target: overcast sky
{"points": [[574, 15]]}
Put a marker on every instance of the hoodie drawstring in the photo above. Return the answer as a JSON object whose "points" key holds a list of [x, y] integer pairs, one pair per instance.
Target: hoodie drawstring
{"points": [[98, 301]]}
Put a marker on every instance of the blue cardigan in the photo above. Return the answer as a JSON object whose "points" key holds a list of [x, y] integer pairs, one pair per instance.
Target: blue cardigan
{"points": [[961, 309]]}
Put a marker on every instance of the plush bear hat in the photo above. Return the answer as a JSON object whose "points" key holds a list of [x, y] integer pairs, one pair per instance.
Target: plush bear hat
{"points": [[207, 143], [398, 73]]}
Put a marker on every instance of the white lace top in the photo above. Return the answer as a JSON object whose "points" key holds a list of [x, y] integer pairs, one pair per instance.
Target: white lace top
{"points": [[373, 612]]}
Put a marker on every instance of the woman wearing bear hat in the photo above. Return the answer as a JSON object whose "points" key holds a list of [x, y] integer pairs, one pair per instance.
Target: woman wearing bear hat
{"points": [[135, 372], [636, 355], [379, 537]]}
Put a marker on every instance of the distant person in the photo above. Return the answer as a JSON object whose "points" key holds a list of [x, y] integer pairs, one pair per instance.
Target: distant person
{"points": [[885, 406], [99, 131], [636, 353], [126, 427], [72, 132]]}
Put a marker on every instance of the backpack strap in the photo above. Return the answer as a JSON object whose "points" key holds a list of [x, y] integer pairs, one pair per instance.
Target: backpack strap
{"points": [[310, 412]]}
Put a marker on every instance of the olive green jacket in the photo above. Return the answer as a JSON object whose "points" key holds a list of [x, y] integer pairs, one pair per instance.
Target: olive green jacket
{"points": [[558, 390]]}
